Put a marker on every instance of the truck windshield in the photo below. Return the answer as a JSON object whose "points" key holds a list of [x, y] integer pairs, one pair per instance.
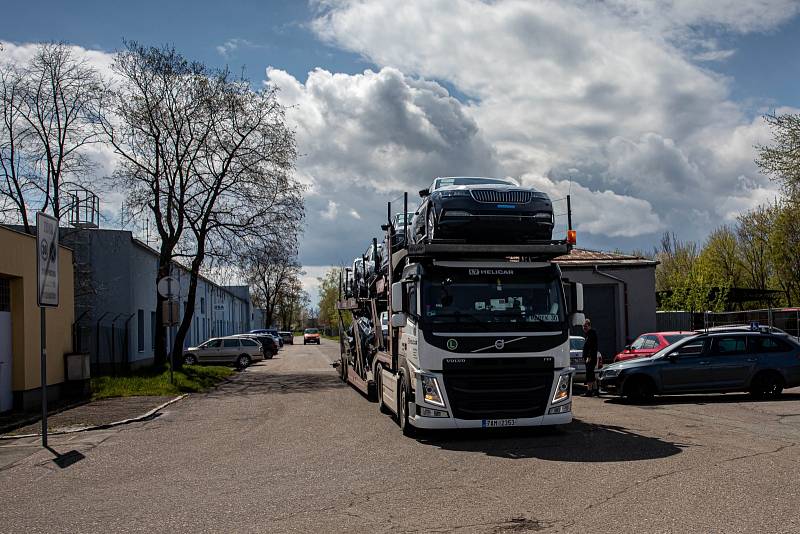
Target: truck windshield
{"points": [[494, 300]]}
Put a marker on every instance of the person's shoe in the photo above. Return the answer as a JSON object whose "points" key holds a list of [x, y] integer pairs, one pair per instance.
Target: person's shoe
{"points": [[587, 394]]}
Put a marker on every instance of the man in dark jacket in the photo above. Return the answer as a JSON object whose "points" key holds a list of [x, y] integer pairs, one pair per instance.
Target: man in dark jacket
{"points": [[590, 358]]}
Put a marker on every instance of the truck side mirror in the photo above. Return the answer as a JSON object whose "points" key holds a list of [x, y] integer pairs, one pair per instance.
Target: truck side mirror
{"points": [[578, 319], [397, 297], [399, 320]]}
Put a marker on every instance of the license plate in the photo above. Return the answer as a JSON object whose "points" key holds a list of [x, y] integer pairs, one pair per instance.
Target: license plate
{"points": [[493, 423]]}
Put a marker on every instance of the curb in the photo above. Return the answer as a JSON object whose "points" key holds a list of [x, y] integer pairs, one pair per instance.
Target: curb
{"points": [[104, 426]]}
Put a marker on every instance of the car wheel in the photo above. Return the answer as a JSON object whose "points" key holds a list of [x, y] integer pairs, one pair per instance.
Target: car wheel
{"points": [[639, 389], [189, 359], [402, 409], [430, 226], [243, 361], [767, 385]]}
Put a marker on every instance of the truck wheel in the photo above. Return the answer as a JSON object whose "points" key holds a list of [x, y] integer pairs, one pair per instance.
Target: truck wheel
{"points": [[343, 369], [402, 409]]}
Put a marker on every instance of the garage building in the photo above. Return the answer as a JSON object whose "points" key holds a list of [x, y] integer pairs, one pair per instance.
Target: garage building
{"points": [[619, 295]]}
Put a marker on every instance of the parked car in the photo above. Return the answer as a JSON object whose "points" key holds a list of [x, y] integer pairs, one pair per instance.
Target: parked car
{"points": [[272, 332], [481, 210], [650, 343], [287, 337], [760, 361], [269, 347], [311, 335], [576, 358], [226, 350]]}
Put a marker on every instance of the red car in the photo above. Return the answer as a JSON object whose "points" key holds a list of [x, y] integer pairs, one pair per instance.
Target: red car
{"points": [[649, 344]]}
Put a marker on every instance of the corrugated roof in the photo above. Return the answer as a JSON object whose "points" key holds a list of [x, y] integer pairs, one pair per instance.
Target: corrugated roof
{"points": [[582, 256]]}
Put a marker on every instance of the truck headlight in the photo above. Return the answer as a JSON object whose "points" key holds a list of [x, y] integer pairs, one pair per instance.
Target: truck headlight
{"points": [[430, 390], [562, 388]]}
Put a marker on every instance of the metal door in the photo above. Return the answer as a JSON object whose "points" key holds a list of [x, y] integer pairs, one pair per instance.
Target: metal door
{"points": [[690, 370], [209, 352], [733, 363], [6, 358], [600, 305]]}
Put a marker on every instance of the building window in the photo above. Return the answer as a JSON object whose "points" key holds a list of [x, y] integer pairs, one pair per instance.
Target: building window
{"points": [[153, 330], [140, 331], [5, 295]]}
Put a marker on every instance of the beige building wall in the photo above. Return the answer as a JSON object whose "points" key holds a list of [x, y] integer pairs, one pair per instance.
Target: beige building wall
{"points": [[18, 264]]}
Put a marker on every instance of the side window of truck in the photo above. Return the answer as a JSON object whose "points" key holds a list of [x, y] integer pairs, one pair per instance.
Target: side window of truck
{"points": [[412, 300]]}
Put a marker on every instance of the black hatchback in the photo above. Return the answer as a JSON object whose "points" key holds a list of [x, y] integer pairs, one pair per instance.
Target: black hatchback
{"points": [[760, 361]]}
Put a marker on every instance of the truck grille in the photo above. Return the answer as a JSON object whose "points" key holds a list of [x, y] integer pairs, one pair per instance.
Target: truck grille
{"points": [[498, 391], [508, 197]]}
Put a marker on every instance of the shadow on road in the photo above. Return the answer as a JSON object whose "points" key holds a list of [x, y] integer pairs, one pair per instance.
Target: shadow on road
{"points": [[577, 442], [710, 398], [67, 459], [259, 383]]}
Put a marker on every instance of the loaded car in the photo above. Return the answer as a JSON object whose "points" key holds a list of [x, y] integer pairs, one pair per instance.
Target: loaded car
{"points": [[311, 335], [480, 210], [225, 350], [760, 361], [399, 222], [648, 344], [576, 358]]}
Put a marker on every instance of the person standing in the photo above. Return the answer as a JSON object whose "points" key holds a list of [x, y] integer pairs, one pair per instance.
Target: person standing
{"points": [[590, 358]]}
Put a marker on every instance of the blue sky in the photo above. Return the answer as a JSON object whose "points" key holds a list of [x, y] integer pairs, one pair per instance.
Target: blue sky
{"points": [[646, 110]]}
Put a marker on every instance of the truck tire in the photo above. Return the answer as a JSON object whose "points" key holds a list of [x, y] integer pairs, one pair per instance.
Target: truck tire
{"points": [[402, 408]]}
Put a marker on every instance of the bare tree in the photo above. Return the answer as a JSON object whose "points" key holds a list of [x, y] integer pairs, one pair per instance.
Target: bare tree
{"points": [[159, 128], [245, 192], [53, 106], [274, 277]]}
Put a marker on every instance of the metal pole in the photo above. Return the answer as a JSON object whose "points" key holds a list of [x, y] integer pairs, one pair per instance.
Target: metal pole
{"points": [[44, 377], [405, 213], [171, 359], [569, 213]]}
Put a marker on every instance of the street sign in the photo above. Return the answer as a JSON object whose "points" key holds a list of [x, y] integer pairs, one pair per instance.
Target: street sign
{"points": [[170, 313], [168, 287], [47, 260]]}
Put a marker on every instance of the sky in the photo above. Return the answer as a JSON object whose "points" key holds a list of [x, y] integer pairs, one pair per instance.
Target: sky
{"points": [[645, 111]]}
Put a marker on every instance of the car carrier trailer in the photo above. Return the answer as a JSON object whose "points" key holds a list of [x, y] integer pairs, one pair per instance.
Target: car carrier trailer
{"points": [[478, 335]]}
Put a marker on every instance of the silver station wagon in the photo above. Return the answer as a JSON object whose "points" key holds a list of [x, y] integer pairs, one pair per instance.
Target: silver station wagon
{"points": [[240, 351]]}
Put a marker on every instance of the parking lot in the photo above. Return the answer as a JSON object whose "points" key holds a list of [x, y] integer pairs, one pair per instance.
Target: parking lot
{"points": [[286, 447]]}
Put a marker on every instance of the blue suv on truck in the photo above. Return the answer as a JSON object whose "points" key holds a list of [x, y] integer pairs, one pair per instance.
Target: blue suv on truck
{"points": [[762, 361]]}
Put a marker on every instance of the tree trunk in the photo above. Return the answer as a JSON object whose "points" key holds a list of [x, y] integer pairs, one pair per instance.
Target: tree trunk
{"points": [[188, 314], [160, 357]]}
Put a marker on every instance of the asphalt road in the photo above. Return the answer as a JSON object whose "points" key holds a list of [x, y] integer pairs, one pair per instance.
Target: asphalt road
{"points": [[286, 447]]}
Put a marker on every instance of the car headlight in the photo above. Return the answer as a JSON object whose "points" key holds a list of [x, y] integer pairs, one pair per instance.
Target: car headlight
{"points": [[562, 388], [431, 391], [611, 373], [454, 193]]}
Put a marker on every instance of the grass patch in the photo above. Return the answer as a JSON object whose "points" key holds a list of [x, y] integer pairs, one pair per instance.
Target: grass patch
{"points": [[190, 379]]}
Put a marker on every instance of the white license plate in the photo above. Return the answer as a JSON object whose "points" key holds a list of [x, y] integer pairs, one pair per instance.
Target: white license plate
{"points": [[492, 423]]}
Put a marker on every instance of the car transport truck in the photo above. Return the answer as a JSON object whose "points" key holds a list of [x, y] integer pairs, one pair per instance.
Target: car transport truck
{"points": [[478, 334]]}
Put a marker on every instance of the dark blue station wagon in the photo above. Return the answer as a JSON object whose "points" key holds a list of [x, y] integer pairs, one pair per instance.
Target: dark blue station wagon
{"points": [[760, 361]]}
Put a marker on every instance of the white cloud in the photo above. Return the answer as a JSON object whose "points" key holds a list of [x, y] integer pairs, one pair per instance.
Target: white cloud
{"points": [[354, 214], [606, 94], [229, 47], [331, 212]]}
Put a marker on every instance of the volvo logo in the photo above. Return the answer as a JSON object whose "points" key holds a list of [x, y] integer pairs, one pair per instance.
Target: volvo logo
{"points": [[499, 344]]}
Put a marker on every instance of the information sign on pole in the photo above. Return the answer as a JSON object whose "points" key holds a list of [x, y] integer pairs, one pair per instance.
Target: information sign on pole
{"points": [[46, 293], [47, 260]]}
